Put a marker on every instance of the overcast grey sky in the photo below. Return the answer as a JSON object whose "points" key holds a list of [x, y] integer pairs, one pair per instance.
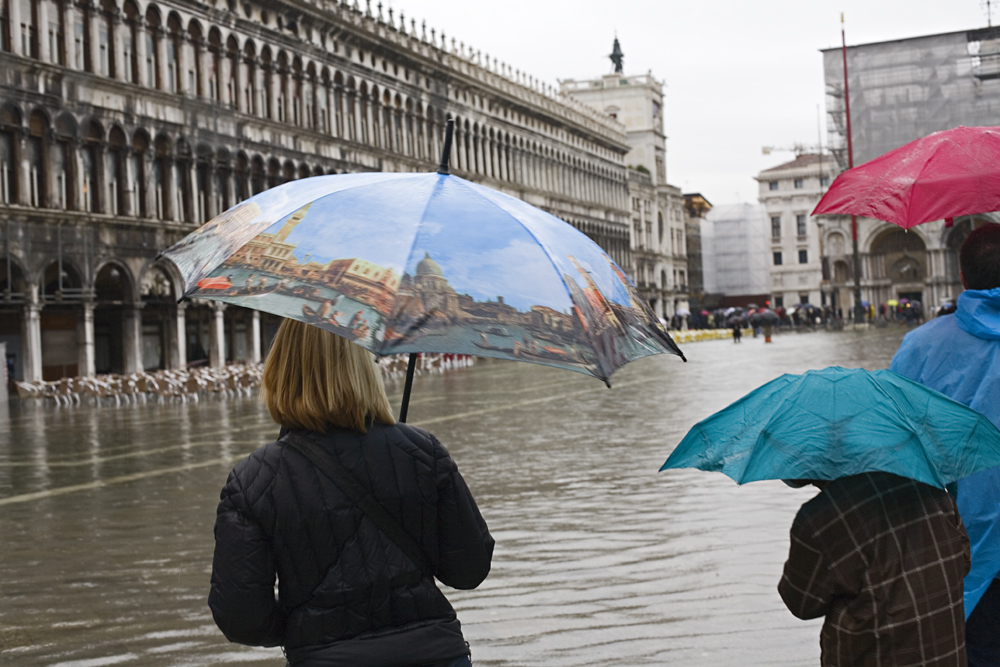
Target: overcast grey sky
{"points": [[737, 74]]}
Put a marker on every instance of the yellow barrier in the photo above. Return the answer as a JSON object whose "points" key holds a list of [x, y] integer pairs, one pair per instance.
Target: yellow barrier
{"points": [[693, 335]]}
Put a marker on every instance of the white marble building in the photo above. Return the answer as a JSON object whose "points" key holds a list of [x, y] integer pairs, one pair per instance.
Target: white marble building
{"points": [[789, 192]]}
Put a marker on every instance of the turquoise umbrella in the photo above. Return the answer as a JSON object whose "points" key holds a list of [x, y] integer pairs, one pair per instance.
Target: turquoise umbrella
{"points": [[837, 422]]}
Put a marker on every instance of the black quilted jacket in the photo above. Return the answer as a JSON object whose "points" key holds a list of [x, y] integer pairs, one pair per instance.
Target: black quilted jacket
{"points": [[341, 581]]}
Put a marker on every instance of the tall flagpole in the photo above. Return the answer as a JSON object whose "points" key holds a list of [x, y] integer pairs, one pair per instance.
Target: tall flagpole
{"points": [[859, 312]]}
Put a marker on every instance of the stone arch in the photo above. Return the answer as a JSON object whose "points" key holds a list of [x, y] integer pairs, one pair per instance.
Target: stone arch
{"points": [[115, 325], [258, 175], [899, 255], [116, 171], [213, 57], [162, 176], [14, 284], [160, 281], [241, 176], [273, 172], [194, 30], [114, 282], [10, 116], [55, 285], [842, 274]]}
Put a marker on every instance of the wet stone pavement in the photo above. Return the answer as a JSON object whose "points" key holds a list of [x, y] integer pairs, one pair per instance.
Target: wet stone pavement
{"points": [[106, 517]]}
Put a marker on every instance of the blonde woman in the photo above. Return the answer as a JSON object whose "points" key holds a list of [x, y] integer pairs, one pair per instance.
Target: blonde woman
{"points": [[355, 586]]}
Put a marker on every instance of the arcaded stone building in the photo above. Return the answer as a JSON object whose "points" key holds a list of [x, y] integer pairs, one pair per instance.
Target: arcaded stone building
{"points": [[125, 124]]}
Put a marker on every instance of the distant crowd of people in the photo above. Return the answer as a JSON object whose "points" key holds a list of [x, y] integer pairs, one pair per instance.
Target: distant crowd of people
{"points": [[897, 312]]}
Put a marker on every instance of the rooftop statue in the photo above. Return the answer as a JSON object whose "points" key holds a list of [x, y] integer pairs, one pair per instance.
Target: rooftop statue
{"points": [[617, 57]]}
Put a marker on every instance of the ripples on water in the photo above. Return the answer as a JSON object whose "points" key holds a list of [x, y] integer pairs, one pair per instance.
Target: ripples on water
{"points": [[106, 518]]}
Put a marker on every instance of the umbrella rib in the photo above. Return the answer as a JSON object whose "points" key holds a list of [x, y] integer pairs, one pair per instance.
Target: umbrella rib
{"points": [[913, 187], [555, 267], [904, 415], [413, 245]]}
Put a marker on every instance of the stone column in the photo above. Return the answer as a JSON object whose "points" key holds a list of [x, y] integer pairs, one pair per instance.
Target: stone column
{"points": [[217, 336], [49, 146], [273, 83], [240, 84], [160, 44], [371, 107], [254, 334], [92, 19], [197, 215], [117, 46], [102, 176], [168, 174], [178, 351], [140, 53], [31, 334], [85, 341], [42, 32], [132, 338], [14, 15], [23, 194], [201, 70], [146, 189]]}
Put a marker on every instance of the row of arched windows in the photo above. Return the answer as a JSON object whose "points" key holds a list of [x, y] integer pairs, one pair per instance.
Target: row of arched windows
{"points": [[58, 164], [146, 49], [144, 175]]}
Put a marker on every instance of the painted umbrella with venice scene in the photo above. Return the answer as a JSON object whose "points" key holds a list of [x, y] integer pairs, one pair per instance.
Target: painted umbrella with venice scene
{"points": [[424, 262]]}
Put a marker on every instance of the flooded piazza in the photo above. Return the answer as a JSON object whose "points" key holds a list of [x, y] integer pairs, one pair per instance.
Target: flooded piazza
{"points": [[106, 517]]}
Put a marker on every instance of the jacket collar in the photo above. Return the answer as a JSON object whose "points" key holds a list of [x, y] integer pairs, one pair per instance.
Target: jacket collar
{"points": [[978, 313]]}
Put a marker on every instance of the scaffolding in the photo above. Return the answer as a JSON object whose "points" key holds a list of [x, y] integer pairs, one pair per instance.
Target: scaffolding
{"points": [[734, 244], [905, 89]]}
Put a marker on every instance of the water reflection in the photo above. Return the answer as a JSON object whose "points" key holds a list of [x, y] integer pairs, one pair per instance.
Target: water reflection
{"points": [[106, 517]]}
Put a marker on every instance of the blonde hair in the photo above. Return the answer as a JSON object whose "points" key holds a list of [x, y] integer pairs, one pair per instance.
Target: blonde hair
{"points": [[314, 379]]}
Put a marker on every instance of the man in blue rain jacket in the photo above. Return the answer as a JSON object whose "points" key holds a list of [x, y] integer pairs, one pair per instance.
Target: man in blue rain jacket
{"points": [[959, 355]]}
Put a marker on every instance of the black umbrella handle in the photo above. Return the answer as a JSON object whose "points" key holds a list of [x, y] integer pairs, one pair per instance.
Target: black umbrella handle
{"points": [[446, 152], [410, 367]]}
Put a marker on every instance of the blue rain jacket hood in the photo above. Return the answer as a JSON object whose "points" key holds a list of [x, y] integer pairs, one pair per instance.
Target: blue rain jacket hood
{"points": [[959, 355], [978, 313]]}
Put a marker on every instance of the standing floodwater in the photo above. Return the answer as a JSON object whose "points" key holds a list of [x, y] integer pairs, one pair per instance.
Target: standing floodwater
{"points": [[106, 517]]}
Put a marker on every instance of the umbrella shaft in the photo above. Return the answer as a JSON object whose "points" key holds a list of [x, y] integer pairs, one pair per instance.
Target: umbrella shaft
{"points": [[410, 367]]}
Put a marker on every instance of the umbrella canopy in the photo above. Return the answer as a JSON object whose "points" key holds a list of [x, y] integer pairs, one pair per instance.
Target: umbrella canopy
{"points": [[409, 263], [838, 422], [767, 316], [682, 312], [943, 175], [892, 302]]}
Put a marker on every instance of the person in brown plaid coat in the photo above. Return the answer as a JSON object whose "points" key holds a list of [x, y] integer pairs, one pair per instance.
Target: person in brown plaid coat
{"points": [[883, 558]]}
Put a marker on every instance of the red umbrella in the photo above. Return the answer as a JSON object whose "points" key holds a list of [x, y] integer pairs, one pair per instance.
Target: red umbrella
{"points": [[943, 175]]}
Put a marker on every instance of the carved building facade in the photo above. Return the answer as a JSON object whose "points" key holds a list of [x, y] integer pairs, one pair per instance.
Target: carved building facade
{"points": [[126, 124]]}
